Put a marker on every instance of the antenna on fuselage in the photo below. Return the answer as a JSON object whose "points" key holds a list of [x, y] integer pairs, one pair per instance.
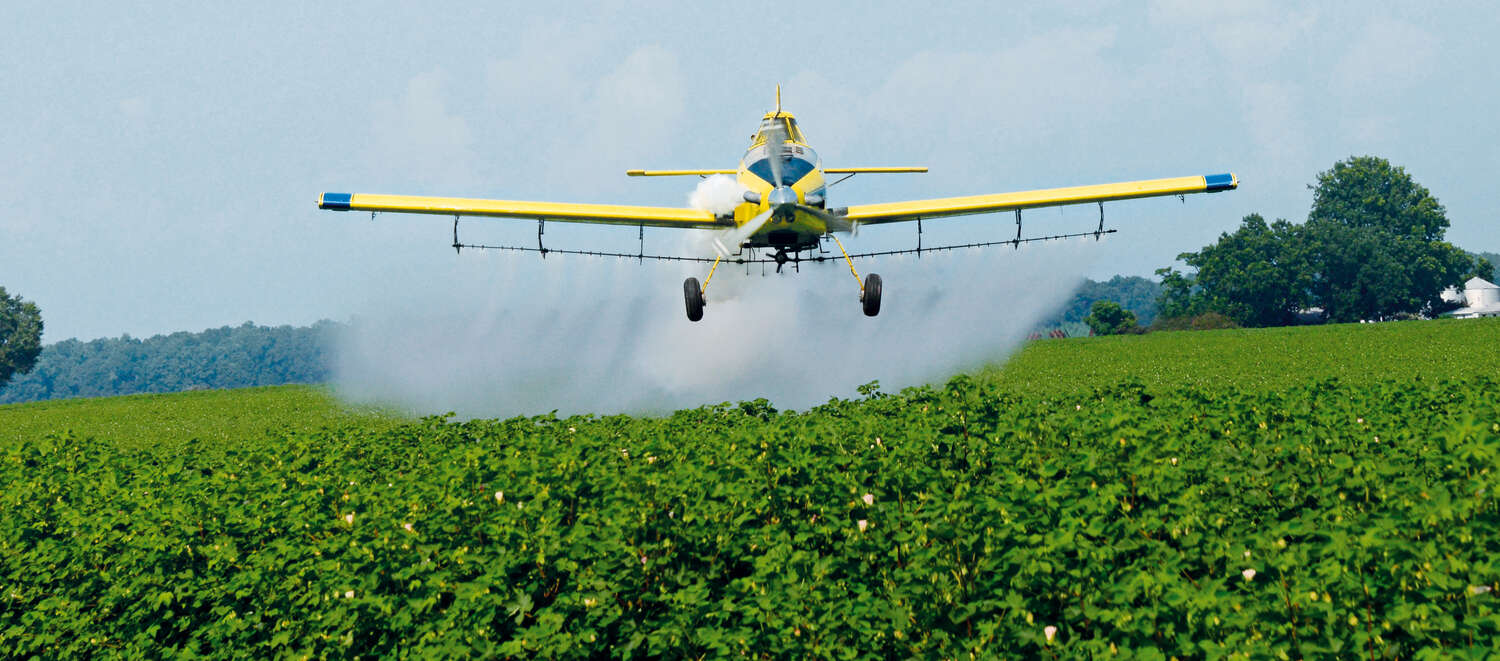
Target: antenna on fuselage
{"points": [[778, 99]]}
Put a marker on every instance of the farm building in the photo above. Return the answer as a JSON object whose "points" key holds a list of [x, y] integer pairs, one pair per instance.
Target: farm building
{"points": [[1481, 298]]}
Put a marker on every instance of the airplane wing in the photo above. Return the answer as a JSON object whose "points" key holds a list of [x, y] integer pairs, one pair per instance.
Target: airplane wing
{"points": [[705, 173], [675, 173], [558, 211], [875, 170], [892, 212]]}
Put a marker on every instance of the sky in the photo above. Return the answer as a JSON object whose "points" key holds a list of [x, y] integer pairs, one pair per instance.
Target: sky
{"points": [[159, 164]]}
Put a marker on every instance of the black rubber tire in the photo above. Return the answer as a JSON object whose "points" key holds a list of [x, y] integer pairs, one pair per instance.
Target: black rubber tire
{"points": [[871, 298], [693, 295]]}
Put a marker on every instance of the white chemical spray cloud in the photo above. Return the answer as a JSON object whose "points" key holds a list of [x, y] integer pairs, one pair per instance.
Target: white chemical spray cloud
{"points": [[610, 336], [719, 194]]}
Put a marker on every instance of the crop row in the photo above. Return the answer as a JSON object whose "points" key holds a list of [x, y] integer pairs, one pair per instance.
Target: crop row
{"points": [[1323, 520]]}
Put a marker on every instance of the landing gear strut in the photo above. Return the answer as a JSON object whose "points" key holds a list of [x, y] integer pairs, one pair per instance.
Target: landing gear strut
{"points": [[692, 293], [869, 290]]}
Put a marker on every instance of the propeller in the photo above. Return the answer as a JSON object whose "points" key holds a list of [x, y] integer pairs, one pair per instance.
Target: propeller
{"points": [[781, 199], [834, 223], [775, 142], [728, 242]]}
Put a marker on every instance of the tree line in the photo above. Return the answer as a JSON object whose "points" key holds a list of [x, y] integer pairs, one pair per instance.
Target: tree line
{"points": [[227, 357], [1371, 248]]}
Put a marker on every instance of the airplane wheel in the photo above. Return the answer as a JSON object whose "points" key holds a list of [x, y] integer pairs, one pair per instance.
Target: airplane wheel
{"points": [[693, 294], [871, 298]]}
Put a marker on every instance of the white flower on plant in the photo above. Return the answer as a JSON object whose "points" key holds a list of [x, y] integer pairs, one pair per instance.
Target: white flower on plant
{"points": [[1478, 589], [1249, 574], [863, 524], [869, 499], [1247, 554], [349, 594], [1174, 461], [1360, 420], [408, 527], [1051, 632], [349, 518], [500, 497]]}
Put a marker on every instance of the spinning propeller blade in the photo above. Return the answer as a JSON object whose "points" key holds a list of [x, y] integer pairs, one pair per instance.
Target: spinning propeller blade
{"points": [[775, 145], [728, 242]]}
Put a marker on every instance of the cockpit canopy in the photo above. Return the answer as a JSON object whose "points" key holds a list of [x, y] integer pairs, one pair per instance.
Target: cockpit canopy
{"points": [[769, 123]]}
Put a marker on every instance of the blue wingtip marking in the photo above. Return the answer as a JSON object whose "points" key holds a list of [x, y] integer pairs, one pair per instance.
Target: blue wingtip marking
{"points": [[1218, 182], [335, 201]]}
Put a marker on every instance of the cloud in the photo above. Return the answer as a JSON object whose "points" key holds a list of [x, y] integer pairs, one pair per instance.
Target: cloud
{"points": [[636, 112], [135, 108], [417, 136], [1027, 97], [1247, 33], [1387, 57], [1273, 112]]}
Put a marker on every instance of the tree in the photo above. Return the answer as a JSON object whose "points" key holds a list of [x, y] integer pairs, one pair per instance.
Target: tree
{"points": [[1134, 293], [1257, 276], [1493, 272], [1368, 193], [1371, 248], [1108, 318], [20, 336], [1374, 239]]}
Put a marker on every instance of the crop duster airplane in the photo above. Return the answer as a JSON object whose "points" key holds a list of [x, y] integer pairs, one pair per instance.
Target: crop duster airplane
{"points": [[784, 209]]}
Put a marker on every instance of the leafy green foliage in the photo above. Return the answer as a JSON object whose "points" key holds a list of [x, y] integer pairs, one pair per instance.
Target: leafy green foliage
{"points": [[228, 357], [1134, 293], [1257, 276], [1201, 321], [1302, 517], [20, 336], [1369, 193], [1255, 358], [1371, 249], [1492, 272], [1327, 519], [1368, 274], [214, 418], [1108, 318]]}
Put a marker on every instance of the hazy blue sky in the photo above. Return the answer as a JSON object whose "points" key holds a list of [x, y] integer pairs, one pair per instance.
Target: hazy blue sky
{"points": [[159, 165]]}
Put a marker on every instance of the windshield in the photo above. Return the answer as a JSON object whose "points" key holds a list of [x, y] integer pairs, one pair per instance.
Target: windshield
{"points": [[787, 125]]}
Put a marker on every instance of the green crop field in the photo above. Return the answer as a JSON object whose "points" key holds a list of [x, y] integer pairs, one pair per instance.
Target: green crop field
{"points": [[1259, 357], [216, 417], [1323, 492]]}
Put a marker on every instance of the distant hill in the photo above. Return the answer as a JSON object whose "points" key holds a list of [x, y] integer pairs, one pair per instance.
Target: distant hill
{"points": [[1133, 293], [227, 357], [1494, 260]]}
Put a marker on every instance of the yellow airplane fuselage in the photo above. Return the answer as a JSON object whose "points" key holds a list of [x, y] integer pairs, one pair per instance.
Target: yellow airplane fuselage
{"points": [[801, 173]]}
